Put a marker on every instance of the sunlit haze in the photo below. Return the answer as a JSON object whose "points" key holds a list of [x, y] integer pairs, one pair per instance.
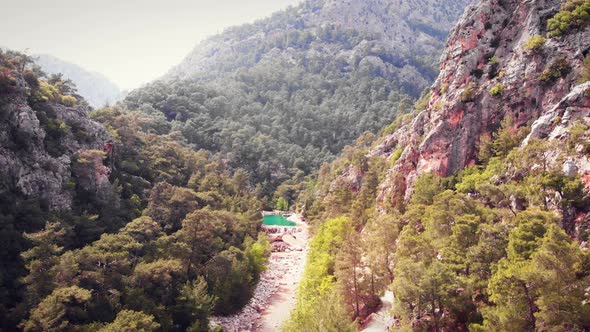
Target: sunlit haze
{"points": [[131, 42]]}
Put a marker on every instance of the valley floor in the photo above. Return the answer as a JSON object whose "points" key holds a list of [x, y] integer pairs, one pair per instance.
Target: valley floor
{"points": [[275, 295]]}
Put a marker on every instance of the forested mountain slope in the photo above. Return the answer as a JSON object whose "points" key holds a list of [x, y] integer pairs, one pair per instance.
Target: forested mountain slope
{"points": [[98, 90], [473, 209], [107, 224], [402, 38], [286, 93]]}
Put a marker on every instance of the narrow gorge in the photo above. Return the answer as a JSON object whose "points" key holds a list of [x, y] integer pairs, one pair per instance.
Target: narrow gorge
{"points": [[339, 165]]}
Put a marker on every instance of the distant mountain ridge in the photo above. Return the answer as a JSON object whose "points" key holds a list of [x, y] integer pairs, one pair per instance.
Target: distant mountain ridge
{"points": [[403, 39], [96, 88]]}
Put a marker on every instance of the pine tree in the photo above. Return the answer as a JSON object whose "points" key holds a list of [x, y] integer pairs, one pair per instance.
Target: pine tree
{"points": [[193, 306], [282, 204], [349, 272], [41, 259], [58, 311], [379, 246], [129, 320], [539, 287]]}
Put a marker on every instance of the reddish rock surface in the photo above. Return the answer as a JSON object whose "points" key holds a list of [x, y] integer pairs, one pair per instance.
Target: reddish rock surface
{"points": [[486, 49]]}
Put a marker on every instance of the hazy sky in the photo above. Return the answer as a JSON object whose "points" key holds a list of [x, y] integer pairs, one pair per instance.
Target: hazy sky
{"points": [[129, 41]]}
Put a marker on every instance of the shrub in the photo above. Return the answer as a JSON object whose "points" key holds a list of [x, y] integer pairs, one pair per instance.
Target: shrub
{"points": [[422, 103], [585, 71], [397, 123], [577, 132], [395, 156], [574, 14], [497, 90], [468, 95], [478, 73], [70, 185], [48, 91], [494, 65], [69, 100], [282, 204], [81, 135], [7, 82], [535, 43], [559, 68], [495, 42], [439, 105], [31, 79]]}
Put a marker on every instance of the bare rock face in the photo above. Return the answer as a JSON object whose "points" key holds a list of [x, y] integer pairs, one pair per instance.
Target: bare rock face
{"points": [[28, 167], [486, 52], [556, 125]]}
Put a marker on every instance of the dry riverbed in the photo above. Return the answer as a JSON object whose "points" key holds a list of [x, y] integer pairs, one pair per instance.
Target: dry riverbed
{"points": [[381, 320], [274, 297]]}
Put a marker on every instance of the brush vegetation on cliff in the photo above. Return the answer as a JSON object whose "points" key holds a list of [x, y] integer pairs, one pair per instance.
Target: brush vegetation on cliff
{"points": [[574, 14]]}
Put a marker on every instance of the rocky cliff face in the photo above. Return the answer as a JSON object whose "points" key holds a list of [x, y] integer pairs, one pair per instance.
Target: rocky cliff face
{"points": [[488, 73], [399, 39], [38, 139]]}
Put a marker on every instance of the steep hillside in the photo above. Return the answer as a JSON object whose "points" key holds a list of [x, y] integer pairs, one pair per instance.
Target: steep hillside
{"points": [[475, 208], [94, 87], [274, 96], [100, 212], [43, 126], [491, 69]]}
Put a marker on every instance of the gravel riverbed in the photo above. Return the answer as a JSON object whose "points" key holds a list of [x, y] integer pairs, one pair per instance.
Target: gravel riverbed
{"points": [[274, 297]]}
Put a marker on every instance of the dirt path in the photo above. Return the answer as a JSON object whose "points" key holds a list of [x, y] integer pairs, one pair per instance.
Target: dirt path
{"points": [[381, 320], [274, 297], [280, 304]]}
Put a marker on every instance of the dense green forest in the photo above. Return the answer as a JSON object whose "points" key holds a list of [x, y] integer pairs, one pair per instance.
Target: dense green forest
{"points": [[158, 234], [285, 94], [148, 212], [277, 118]]}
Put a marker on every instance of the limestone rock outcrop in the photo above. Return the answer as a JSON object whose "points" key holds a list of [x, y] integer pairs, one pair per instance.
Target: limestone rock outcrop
{"points": [[34, 163], [488, 73]]}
